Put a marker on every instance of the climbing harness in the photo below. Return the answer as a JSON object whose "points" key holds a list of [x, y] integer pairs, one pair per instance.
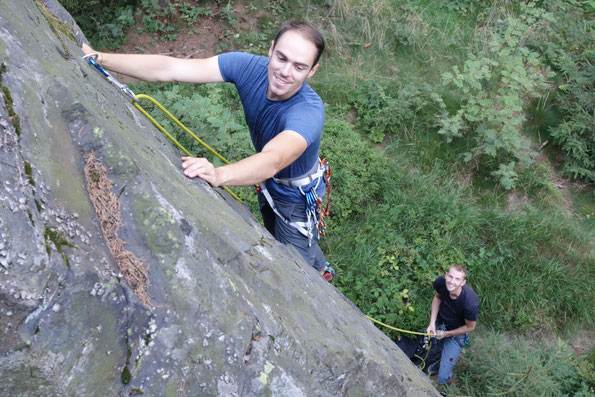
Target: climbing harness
{"points": [[92, 59], [427, 347], [316, 213]]}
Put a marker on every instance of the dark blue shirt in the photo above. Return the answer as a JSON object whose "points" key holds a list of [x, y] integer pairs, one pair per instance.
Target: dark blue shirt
{"points": [[453, 312], [302, 113]]}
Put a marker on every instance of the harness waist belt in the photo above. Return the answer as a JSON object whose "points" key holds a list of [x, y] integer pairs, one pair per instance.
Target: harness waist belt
{"points": [[316, 172]]}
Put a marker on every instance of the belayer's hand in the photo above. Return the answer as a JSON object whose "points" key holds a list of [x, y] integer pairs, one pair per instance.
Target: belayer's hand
{"points": [[431, 329], [199, 167]]}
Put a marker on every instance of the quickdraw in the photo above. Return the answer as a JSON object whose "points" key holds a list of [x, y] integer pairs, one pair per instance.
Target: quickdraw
{"points": [[92, 58], [316, 210], [323, 212]]}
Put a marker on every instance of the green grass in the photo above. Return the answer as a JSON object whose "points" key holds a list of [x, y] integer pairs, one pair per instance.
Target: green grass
{"points": [[518, 259], [497, 364]]}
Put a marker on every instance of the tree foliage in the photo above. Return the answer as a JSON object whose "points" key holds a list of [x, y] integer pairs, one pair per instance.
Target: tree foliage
{"points": [[494, 87], [570, 49]]}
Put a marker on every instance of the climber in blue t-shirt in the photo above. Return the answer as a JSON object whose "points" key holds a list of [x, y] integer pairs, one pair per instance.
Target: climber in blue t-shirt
{"points": [[284, 115]]}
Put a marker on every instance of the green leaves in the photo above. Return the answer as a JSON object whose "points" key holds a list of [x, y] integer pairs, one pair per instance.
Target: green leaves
{"points": [[493, 86], [498, 364], [569, 52], [390, 252], [191, 13], [382, 111], [104, 23], [357, 168], [506, 175], [210, 112]]}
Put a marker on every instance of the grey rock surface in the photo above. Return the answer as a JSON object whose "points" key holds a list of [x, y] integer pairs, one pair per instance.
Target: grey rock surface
{"points": [[231, 311]]}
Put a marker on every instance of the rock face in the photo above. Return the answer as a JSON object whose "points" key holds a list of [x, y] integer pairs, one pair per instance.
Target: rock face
{"points": [[221, 309]]}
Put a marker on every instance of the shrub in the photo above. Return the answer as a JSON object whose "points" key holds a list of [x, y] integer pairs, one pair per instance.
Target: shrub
{"points": [[494, 87], [568, 49], [105, 22], [391, 251], [388, 253], [497, 365], [382, 111], [356, 169], [209, 111]]}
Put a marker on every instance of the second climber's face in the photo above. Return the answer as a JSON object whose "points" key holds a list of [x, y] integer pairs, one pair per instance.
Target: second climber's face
{"points": [[454, 279], [291, 63]]}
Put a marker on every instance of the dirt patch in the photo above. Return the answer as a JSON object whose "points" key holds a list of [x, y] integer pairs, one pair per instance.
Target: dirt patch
{"points": [[207, 37], [583, 342], [464, 180], [107, 208], [561, 184], [201, 42], [516, 201]]}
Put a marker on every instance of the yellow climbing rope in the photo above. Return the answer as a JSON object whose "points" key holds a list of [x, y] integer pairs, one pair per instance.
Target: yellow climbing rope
{"points": [[398, 329], [92, 58], [182, 126]]}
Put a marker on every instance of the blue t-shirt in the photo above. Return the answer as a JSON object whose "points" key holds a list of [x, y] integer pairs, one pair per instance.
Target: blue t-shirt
{"points": [[302, 113], [453, 312]]}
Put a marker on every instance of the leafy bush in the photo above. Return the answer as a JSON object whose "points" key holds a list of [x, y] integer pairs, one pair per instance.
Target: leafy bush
{"points": [[156, 19], [513, 366], [568, 48], [382, 111], [105, 22], [209, 111], [356, 169], [191, 13], [494, 87], [389, 254], [585, 366]]}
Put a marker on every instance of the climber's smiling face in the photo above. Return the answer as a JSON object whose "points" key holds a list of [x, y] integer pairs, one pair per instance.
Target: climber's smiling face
{"points": [[291, 63]]}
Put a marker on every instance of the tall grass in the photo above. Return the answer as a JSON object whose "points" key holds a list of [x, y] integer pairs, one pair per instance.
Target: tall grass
{"points": [[500, 365], [543, 279]]}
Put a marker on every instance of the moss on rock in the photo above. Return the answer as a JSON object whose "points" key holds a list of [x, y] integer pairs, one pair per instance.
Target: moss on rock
{"points": [[157, 226]]}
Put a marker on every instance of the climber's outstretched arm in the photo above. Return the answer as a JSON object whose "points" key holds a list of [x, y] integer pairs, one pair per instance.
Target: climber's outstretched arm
{"points": [[160, 68]]}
